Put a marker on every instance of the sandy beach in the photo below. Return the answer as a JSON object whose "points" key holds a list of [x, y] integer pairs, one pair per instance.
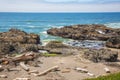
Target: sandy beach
{"points": [[66, 71], [24, 58]]}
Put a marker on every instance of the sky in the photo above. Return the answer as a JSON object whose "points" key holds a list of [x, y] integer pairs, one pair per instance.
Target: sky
{"points": [[59, 5]]}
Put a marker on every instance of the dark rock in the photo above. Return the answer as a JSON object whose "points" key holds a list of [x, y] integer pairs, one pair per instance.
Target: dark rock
{"points": [[60, 48], [101, 55], [85, 32], [113, 42], [17, 41], [6, 48], [26, 47], [56, 44], [15, 35]]}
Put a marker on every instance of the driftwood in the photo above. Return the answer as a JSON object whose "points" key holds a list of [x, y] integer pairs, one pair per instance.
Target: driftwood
{"points": [[5, 61], [67, 70], [3, 76], [24, 57], [22, 64], [47, 71], [19, 58], [34, 71], [14, 69], [81, 70], [1, 68], [107, 70], [22, 79], [90, 74]]}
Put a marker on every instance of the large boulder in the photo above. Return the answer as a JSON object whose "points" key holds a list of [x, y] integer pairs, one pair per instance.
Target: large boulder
{"points": [[17, 41], [15, 35], [85, 32], [102, 55], [113, 42]]}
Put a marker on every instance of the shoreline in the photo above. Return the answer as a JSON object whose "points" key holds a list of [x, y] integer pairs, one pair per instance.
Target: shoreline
{"points": [[41, 58]]}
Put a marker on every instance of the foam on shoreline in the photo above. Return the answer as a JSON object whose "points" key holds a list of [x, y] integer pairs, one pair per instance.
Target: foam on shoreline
{"points": [[87, 44], [113, 25]]}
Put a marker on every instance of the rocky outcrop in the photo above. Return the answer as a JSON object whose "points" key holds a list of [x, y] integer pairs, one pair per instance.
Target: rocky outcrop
{"points": [[60, 48], [18, 41], [17, 36], [101, 55], [85, 32], [56, 44], [113, 42], [94, 55], [6, 48]]}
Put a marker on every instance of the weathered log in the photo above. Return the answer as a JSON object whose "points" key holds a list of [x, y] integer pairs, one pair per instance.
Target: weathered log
{"points": [[81, 70], [4, 61], [34, 71], [22, 64], [1, 68], [107, 70], [3, 76], [24, 57], [47, 71], [90, 74], [22, 79], [67, 70], [14, 69]]}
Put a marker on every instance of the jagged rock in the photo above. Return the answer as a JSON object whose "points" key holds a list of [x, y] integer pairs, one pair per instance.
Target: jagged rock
{"points": [[113, 42], [85, 32], [60, 48], [6, 48], [18, 41], [101, 55], [56, 44], [15, 35]]}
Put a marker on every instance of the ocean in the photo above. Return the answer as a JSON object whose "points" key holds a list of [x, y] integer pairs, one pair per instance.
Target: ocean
{"points": [[40, 22]]}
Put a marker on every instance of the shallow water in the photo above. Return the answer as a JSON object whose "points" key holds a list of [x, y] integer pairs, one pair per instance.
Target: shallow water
{"points": [[87, 44]]}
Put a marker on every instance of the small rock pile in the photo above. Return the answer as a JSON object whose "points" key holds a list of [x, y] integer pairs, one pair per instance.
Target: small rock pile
{"points": [[102, 55], [113, 42]]}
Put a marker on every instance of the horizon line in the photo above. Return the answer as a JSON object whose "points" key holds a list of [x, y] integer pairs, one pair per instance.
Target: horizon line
{"points": [[61, 12]]}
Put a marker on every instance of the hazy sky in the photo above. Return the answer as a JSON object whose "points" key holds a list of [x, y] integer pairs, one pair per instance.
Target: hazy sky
{"points": [[59, 5]]}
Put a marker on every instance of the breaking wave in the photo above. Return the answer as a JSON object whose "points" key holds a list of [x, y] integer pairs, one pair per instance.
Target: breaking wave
{"points": [[113, 25]]}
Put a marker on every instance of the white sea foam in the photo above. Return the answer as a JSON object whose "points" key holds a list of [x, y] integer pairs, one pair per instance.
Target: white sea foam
{"points": [[31, 26], [60, 26], [16, 25], [44, 32], [28, 23], [4, 28], [57, 26], [113, 25], [54, 26]]}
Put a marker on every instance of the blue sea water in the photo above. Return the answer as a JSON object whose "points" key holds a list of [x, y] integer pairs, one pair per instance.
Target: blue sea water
{"points": [[40, 22]]}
